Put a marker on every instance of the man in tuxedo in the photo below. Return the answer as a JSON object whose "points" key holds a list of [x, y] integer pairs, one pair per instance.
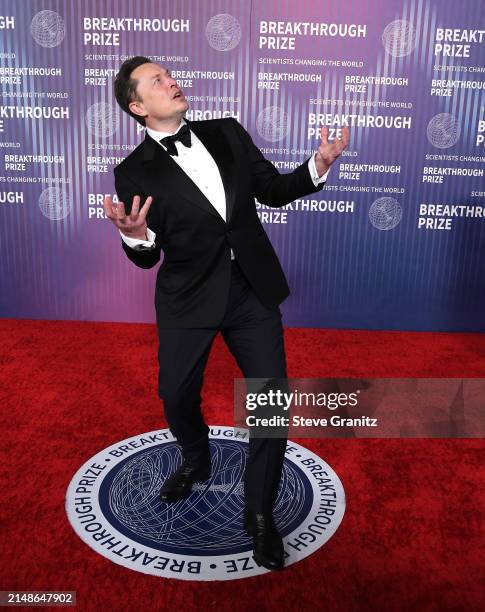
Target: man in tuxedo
{"points": [[188, 190]]}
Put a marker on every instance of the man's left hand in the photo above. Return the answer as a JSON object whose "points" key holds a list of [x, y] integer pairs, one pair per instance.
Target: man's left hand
{"points": [[329, 151]]}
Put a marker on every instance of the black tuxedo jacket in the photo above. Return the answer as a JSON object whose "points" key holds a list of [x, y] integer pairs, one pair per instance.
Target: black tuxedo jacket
{"points": [[193, 281]]}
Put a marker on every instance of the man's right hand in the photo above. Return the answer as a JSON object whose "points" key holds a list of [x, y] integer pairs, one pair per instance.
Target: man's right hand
{"points": [[133, 225]]}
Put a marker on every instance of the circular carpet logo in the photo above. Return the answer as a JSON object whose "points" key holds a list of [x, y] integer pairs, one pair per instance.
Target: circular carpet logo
{"points": [[112, 504], [385, 213]]}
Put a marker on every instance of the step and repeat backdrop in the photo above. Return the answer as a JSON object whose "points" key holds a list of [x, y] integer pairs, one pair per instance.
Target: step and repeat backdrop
{"points": [[395, 240]]}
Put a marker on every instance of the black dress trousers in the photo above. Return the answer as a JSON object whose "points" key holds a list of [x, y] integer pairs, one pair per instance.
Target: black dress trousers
{"points": [[254, 335]]}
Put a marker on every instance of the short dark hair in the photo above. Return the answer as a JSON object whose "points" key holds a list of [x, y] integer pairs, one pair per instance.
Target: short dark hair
{"points": [[125, 86]]}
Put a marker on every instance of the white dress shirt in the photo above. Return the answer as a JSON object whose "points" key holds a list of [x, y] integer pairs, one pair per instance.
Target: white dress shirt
{"points": [[199, 165]]}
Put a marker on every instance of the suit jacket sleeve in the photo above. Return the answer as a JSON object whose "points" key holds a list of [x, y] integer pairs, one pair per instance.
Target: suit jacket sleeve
{"points": [[268, 185], [126, 189]]}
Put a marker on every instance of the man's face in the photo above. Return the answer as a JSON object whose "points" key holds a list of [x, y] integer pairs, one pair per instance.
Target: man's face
{"points": [[161, 97]]}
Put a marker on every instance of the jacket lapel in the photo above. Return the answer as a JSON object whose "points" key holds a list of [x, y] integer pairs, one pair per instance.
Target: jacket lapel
{"points": [[163, 174]]}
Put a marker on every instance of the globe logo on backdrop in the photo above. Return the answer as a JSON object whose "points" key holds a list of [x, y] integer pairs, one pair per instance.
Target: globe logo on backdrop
{"points": [[54, 203], [223, 32], [48, 28], [272, 123], [102, 119], [443, 131], [112, 504], [385, 213], [399, 38]]}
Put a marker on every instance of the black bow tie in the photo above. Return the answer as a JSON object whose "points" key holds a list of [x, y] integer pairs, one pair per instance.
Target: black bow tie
{"points": [[183, 135]]}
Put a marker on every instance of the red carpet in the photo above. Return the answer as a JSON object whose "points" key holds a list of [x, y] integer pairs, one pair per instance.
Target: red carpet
{"points": [[413, 535]]}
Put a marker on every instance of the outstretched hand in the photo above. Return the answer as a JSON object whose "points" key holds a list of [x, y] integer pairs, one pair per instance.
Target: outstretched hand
{"points": [[329, 151], [133, 225]]}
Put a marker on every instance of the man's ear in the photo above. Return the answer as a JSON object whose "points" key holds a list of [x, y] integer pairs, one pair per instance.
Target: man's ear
{"points": [[137, 109]]}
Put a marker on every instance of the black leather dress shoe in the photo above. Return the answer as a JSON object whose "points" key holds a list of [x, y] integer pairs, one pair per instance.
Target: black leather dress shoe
{"points": [[267, 543], [179, 484]]}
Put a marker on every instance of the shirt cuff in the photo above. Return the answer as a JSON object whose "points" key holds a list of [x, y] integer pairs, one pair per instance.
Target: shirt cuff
{"points": [[313, 172], [140, 245]]}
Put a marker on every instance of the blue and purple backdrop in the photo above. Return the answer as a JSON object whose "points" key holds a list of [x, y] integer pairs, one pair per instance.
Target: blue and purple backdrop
{"points": [[395, 240]]}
